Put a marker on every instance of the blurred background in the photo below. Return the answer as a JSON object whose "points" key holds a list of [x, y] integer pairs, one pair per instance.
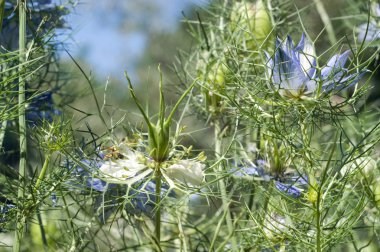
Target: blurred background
{"points": [[110, 36]]}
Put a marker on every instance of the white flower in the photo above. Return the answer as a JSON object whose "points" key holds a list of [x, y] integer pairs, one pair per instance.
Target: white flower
{"points": [[125, 171], [187, 171], [134, 166]]}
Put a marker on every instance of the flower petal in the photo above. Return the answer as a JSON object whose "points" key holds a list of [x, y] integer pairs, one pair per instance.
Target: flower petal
{"points": [[335, 64], [187, 171], [368, 32], [307, 58], [123, 171], [288, 189]]}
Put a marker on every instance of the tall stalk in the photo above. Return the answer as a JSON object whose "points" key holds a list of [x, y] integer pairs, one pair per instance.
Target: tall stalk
{"points": [[222, 185], [318, 224], [158, 201], [19, 233]]}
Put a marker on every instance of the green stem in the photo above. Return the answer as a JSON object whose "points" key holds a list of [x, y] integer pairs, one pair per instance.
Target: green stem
{"points": [[2, 7], [42, 173], [2, 131], [21, 219], [158, 201], [222, 185], [307, 155], [318, 223], [38, 183], [42, 230], [252, 194]]}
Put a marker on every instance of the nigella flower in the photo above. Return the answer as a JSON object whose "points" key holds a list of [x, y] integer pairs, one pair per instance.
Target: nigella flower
{"points": [[293, 70], [142, 198], [290, 184], [41, 108], [370, 31], [133, 166]]}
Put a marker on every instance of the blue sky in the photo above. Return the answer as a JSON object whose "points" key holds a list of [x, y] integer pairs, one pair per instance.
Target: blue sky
{"points": [[111, 35]]}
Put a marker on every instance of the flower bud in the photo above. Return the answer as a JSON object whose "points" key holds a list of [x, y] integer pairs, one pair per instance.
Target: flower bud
{"points": [[159, 134]]}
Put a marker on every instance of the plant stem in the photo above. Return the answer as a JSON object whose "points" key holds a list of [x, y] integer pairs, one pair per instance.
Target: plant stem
{"points": [[326, 21], [38, 183], [318, 223], [21, 219], [306, 141], [43, 172], [3, 127], [42, 230], [222, 185], [158, 201], [252, 194], [2, 7]]}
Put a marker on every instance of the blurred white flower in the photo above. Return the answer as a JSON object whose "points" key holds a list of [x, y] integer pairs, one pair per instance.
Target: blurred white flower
{"points": [[186, 171], [370, 31], [126, 170], [366, 165], [275, 227]]}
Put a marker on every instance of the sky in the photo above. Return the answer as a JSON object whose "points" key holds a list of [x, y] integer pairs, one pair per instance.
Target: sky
{"points": [[111, 35]]}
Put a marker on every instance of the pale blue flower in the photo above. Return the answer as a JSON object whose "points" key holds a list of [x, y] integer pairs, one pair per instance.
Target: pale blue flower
{"points": [[370, 31], [291, 190], [293, 70]]}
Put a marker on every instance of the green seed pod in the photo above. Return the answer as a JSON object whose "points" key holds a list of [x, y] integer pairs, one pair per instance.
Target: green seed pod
{"points": [[214, 76], [216, 80], [254, 21], [376, 192]]}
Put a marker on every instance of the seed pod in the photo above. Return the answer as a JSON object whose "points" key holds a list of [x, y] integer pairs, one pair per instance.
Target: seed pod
{"points": [[376, 192], [254, 21], [213, 74]]}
